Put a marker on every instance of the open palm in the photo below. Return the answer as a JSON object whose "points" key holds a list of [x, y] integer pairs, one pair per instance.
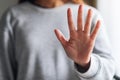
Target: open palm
{"points": [[81, 42]]}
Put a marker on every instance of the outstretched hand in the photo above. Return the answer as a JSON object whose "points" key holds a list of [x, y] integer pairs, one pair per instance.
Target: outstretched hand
{"points": [[81, 42]]}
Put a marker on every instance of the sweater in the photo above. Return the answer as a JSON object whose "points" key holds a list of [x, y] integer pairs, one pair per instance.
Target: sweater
{"points": [[29, 49]]}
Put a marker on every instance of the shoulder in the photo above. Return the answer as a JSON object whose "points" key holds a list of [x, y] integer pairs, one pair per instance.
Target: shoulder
{"points": [[75, 7], [96, 15], [13, 14], [17, 9], [95, 12]]}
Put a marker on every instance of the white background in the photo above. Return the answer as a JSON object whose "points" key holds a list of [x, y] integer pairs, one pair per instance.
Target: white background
{"points": [[110, 10], [5, 4], [111, 15]]}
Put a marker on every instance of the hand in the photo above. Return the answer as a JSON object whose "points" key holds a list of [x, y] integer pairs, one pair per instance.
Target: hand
{"points": [[81, 42]]}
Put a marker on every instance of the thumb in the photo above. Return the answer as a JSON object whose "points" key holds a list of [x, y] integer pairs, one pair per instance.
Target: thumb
{"points": [[60, 37]]}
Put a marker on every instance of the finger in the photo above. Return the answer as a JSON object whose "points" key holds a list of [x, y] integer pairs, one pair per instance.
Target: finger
{"points": [[70, 21], [79, 19], [95, 31], [60, 37], [88, 22]]}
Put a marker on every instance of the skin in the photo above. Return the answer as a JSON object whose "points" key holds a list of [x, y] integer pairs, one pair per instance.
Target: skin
{"points": [[81, 42], [80, 45], [49, 3], [55, 3]]}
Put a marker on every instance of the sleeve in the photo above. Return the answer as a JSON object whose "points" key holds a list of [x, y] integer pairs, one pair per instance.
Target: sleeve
{"points": [[7, 62], [102, 63]]}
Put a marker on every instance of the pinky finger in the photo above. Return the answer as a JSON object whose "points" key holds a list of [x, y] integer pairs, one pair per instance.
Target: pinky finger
{"points": [[95, 31], [60, 37]]}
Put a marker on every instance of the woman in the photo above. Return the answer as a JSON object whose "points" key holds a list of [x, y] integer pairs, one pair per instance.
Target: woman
{"points": [[29, 50]]}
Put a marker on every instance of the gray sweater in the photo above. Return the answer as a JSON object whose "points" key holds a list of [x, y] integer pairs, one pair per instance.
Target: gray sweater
{"points": [[29, 49]]}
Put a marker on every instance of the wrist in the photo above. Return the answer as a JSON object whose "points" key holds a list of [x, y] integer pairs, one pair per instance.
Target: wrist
{"points": [[82, 68]]}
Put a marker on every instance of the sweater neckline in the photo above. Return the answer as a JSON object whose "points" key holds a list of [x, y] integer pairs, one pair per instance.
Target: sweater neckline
{"points": [[39, 8]]}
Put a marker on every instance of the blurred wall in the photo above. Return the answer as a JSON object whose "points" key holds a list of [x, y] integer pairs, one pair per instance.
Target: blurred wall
{"points": [[4, 4], [111, 14]]}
